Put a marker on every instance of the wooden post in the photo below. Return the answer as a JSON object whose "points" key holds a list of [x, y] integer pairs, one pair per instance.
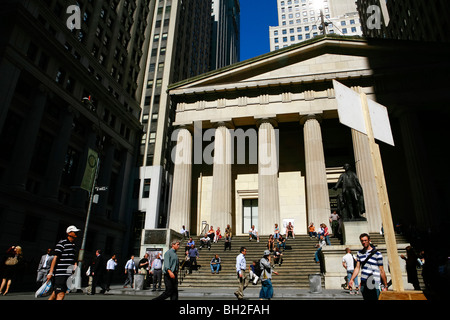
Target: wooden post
{"points": [[386, 217]]}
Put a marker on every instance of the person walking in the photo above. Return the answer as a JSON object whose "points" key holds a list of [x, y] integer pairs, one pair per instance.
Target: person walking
{"points": [[63, 264], [44, 267], [370, 261], [98, 272], [170, 270], [156, 270], [266, 291], [193, 255], [240, 271], [110, 268], [11, 265], [130, 271], [348, 262]]}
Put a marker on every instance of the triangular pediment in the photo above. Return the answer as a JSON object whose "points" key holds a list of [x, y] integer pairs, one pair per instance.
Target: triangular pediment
{"points": [[317, 58]]}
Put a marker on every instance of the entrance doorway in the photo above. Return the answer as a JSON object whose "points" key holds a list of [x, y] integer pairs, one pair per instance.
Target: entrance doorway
{"points": [[249, 214]]}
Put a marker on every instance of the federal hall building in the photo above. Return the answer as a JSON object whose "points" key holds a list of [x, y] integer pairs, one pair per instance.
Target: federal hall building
{"points": [[260, 142]]}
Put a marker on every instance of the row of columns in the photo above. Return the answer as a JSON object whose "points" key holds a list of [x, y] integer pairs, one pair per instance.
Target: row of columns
{"points": [[318, 203]]}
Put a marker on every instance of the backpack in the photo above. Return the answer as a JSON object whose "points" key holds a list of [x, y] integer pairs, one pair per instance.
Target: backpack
{"points": [[258, 269]]}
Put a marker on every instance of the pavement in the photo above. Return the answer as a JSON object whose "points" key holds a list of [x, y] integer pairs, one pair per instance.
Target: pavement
{"points": [[117, 292]]}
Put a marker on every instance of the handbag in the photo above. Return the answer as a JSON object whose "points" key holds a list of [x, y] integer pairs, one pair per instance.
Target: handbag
{"points": [[11, 261]]}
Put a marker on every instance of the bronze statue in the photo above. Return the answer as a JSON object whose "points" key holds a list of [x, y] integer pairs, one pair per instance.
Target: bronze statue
{"points": [[351, 199]]}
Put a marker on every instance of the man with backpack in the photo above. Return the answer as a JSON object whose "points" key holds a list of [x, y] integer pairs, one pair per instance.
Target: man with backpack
{"points": [[370, 261]]}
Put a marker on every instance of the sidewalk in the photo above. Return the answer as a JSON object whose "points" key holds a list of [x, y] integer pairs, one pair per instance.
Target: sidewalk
{"points": [[214, 293]]}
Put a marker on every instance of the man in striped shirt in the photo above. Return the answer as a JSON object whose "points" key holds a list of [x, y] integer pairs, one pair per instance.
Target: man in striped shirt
{"points": [[63, 264], [370, 261]]}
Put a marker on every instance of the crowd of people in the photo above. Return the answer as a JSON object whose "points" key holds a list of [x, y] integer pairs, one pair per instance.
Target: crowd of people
{"points": [[363, 270]]}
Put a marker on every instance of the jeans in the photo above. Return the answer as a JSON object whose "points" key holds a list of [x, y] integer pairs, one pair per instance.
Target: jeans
{"points": [[215, 267], [349, 276]]}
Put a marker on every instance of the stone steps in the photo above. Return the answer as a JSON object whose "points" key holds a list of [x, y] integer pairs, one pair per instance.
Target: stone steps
{"points": [[298, 262]]}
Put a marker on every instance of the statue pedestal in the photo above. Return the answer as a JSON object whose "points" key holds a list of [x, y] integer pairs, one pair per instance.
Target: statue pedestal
{"points": [[353, 229]]}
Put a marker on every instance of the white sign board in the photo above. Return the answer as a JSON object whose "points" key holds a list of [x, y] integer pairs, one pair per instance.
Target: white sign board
{"points": [[351, 114]]}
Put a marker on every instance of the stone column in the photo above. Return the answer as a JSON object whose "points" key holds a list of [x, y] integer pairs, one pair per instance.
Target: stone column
{"points": [[422, 189], [57, 157], [366, 175], [180, 208], [317, 196], [268, 194], [221, 198], [24, 148]]}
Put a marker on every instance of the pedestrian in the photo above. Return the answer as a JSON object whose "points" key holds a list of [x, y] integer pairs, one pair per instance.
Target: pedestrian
{"points": [[189, 244], [98, 270], [290, 231], [370, 261], [143, 267], [411, 267], [227, 242], [319, 246], [277, 257], [130, 271], [240, 271], [184, 232], [266, 291], [253, 234], [312, 231], [326, 234], [334, 223], [63, 264], [13, 261], [44, 267], [348, 262], [215, 264], [170, 270], [110, 268], [205, 241], [276, 231], [193, 255], [156, 270]]}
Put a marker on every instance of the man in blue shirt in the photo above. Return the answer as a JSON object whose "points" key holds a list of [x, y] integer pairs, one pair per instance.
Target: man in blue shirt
{"points": [[240, 271]]}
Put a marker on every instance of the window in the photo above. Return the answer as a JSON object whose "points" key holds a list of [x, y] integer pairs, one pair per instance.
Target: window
{"points": [[146, 189]]}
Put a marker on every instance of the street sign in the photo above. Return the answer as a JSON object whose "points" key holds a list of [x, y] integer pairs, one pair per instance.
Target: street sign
{"points": [[351, 113], [371, 118]]}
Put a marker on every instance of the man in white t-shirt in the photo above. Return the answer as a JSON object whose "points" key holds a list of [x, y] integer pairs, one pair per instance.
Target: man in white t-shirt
{"points": [[348, 262], [253, 234]]}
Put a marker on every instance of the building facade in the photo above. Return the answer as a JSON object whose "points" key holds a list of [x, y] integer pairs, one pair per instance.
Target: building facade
{"points": [[300, 20], [225, 40], [71, 80], [260, 142], [182, 47], [405, 20]]}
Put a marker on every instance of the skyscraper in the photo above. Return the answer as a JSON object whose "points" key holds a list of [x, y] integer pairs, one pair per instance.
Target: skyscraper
{"points": [[405, 19], [181, 47], [71, 80], [300, 20]]}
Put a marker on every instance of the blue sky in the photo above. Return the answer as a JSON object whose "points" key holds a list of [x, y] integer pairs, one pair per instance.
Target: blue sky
{"points": [[256, 17]]}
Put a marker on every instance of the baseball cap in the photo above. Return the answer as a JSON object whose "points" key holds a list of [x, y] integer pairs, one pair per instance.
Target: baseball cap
{"points": [[72, 229], [267, 252]]}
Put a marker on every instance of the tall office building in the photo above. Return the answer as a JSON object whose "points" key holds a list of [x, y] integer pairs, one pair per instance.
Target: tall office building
{"points": [[71, 75], [180, 48], [225, 33], [300, 20], [405, 19]]}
